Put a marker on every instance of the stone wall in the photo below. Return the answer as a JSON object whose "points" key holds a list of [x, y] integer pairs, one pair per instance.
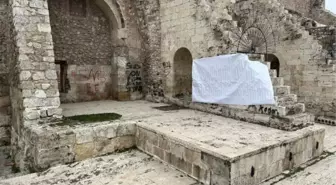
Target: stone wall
{"points": [[96, 42], [33, 79], [323, 16], [82, 39], [302, 6], [34, 61], [149, 22], [208, 28], [327, 37], [4, 84]]}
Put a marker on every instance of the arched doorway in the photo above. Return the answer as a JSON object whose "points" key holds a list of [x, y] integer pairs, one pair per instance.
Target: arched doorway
{"points": [[275, 63], [182, 73]]}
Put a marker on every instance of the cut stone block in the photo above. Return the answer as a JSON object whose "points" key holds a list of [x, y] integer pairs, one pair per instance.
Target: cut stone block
{"points": [[289, 99], [277, 81], [281, 90]]}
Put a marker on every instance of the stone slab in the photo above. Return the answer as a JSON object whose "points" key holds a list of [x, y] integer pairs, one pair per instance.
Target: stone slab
{"points": [[128, 168]]}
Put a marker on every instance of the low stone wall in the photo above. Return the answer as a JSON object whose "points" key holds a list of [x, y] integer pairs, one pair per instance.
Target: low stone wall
{"points": [[49, 145], [210, 167], [257, 114]]}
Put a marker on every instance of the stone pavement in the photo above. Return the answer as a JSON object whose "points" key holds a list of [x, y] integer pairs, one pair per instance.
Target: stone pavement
{"points": [[128, 168], [320, 173]]}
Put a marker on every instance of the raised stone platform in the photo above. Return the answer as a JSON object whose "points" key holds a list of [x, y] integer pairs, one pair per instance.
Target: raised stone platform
{"points": [[225, 151], [207, 147]]}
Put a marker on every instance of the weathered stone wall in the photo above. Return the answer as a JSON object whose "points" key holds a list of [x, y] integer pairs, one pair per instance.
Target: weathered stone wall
{"points": [[148, 13], [82, 38], [314, 9], [34, 87], [208, 28], [302, 6], [33, 80], [326, 37], [100, 44], [182, 26], [4, 84], [323, 16]]}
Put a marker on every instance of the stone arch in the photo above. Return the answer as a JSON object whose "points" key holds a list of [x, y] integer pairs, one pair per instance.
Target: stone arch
{"points": [[275, 63], [182, 67], [84, 35], [112, 10]]}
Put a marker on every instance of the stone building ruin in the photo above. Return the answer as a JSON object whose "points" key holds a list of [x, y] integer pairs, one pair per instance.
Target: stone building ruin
{"points": [[66, 51]]}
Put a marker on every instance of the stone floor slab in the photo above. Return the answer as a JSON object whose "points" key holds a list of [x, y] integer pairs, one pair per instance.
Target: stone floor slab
{"points": [[128, 168]]}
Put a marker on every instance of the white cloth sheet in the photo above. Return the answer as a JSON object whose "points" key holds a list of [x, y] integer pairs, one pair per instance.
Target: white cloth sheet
{"points": [[231, 79]]}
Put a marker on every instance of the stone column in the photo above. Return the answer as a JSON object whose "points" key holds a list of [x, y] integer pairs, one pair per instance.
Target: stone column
{"points": [[34, 87]]}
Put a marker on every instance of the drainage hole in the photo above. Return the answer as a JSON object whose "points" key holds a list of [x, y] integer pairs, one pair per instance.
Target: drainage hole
{"points": [[317, 145], [252, 171], [290, 156]]}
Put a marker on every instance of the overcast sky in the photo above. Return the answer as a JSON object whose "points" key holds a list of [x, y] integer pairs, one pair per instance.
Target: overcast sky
{"points": [[331, 5]]}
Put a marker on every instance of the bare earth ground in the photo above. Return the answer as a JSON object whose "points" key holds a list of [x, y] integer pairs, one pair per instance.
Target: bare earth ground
{"points": [[137, 168]]}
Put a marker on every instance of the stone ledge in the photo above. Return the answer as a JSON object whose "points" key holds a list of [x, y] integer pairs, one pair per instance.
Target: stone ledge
{"points": [[247, 113]]}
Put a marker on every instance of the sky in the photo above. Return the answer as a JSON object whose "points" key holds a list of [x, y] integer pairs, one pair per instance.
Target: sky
{"points": [[331, 5]]}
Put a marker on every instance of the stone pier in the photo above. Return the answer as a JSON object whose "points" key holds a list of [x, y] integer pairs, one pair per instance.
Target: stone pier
{"points": [[34, 89]]}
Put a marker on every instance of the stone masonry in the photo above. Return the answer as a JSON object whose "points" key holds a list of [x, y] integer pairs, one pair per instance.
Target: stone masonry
{"points": [[34, 89], [83, 50], [4, 74]]}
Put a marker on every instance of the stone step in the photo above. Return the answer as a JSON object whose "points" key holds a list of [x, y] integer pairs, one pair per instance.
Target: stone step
{"points": [[294, 109], [282, 111], [277, 81], [303, 118], [281, 90], [285, 100], [273, 73]]}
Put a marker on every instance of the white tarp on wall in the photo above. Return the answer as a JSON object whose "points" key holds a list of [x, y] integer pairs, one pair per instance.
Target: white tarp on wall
{"points": [[231, 79]]}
